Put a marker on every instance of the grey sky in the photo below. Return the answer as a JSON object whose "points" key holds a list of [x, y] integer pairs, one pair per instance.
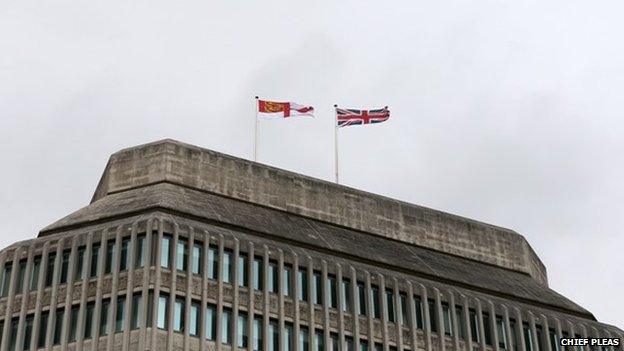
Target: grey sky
{"points": [[504, 111]]}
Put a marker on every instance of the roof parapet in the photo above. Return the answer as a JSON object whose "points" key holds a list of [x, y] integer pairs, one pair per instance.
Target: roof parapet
{"points": [[193, 167]]}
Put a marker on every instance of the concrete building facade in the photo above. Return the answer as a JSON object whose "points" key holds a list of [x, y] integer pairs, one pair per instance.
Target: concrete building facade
{"points": [[183, 248]]}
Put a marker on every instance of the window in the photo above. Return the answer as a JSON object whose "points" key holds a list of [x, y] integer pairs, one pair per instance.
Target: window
{"points": [[331, 292], [211, 322], [461, 323], [242, 270], [361, 298], [319, 341], [418, 307], [50, 269], [79, 263], [348, 344], [95, 254], [539, 336], [334, 345], [273, 336], [88, 325], [124, 257], [120, 315], [165, 253], [288, 337], [257, 274], [272, 283], [73, 322], [104, 317], [34, 277], [391, 317], [64, 266], [137, 311], [375, 297], [226, 328], [242, 337], [554, 340], [403, 306], [474, 326], [110, 256], [363, 345], [182, 255], [345, 296], [194, 321], [302, 284], [257, 334], [196, 263], [512, 337], [58, 326], [28, 329], [304, 344], [163, 308], [227, 267], [446, 319], [502, 333], [139, 251], [487, 328], [213, 263], [43, 325], [528, 337], [6, 279], [433, 320], [317, 288], [20, 277], [13, 335], [178, 314], [286, 284]]}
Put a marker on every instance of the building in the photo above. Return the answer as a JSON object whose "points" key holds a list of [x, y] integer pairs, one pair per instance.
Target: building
{"points": [[183, 248]]}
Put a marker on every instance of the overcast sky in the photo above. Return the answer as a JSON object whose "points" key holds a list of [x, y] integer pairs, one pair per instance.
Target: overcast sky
{"points": [[509, 112]]}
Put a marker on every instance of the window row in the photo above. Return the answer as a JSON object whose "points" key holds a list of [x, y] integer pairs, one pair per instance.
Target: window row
{"points": [[66, 269], [90, 327]]}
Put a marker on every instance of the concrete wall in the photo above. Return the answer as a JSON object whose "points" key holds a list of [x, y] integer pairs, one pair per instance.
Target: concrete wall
{"points": [[206, 170]]}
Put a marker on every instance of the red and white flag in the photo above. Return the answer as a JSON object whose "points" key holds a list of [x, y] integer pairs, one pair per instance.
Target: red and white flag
{"points": [[276, 110]]}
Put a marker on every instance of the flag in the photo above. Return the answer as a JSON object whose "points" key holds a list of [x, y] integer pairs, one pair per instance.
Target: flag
{"points": [[276, 110], [350, 117]]}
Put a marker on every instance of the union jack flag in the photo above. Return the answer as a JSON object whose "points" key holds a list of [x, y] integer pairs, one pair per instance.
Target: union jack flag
{"points": [[349, 117]]}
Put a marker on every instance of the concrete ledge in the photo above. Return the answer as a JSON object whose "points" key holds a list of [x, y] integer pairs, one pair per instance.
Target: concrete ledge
{"points": [[201, 169]]}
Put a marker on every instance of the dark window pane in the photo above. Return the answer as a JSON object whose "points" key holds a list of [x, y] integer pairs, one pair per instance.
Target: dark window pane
{"points": [[65, 266], [79, 263], [124, 256], [20, 277], [110, 256], [104, 317], [43, 325], [88, 325], [95, 254], [6, 279], [139, 252], [213, 263], [34, 276], [390, 306], [73, 322], [58, 325], [50, 269]]}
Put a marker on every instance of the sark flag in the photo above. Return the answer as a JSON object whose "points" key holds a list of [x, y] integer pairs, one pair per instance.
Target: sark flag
{"points": [[350, 117], [277, 110]]}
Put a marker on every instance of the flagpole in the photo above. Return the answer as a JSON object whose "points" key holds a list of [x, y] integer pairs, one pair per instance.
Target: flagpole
{"points": [[336, 142], [255, 147]]}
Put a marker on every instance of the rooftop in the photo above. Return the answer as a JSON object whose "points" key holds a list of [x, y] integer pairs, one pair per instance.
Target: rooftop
{"points": [[205, 185]]}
